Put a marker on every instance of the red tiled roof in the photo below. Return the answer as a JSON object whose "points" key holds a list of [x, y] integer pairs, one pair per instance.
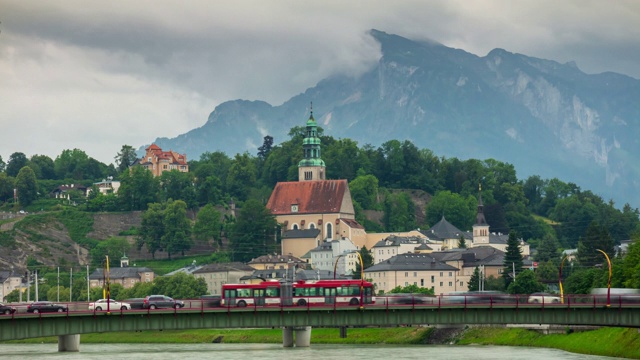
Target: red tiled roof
{"points": [[323, 196], [352, 223], [153, 147]]}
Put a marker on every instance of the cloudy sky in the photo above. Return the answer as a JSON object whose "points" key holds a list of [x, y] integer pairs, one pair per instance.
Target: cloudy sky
{"points": [[97, 75]]}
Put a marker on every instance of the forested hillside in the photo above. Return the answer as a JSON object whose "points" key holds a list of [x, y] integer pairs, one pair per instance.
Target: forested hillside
{"points": [[400, 186]]}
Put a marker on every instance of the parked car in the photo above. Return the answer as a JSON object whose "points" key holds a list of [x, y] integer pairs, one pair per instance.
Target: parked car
{"points": [[6, 309], [46, 306], [543, 298], [101, 304], [161, 301]]}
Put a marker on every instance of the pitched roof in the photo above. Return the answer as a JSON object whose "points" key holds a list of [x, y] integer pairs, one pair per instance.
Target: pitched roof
{"points": [[418, 262], [443, 230], [479, 255], [119, 273], [312, 197], [275, 259], [223, 267], [352, 223]]}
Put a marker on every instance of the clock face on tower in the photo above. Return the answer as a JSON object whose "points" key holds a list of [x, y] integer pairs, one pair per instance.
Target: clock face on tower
{"points": [[294, 208]]}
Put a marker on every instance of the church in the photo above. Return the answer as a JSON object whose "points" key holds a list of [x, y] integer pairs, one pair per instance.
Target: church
{"points": [[313, 209]]}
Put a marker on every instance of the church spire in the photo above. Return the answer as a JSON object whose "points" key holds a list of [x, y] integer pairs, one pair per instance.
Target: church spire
{"points": [[311, 167], [480, 220]]}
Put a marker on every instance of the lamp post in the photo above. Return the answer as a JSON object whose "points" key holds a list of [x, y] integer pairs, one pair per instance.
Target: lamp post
{"points": [[560, 279], [609, 280]]}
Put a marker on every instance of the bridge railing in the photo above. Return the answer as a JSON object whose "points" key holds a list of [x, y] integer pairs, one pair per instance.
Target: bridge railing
{"points": [[461, 300]]}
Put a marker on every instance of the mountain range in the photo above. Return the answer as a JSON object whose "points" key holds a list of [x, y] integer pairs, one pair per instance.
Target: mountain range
{"points": [[544, 117]]}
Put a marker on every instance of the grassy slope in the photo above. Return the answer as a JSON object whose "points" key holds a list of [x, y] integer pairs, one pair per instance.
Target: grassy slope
{"points": [[618, 342]]}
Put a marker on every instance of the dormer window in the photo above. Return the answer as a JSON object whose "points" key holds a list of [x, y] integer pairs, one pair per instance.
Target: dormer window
{"points": [[294, 208]]}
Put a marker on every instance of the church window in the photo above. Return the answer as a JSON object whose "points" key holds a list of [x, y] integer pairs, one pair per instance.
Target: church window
{"points": [[312, 226], [295, 227], [329, 231]]}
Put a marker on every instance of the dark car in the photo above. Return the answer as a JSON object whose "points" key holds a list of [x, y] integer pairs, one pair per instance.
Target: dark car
{"points": [[6, 309], [210, 300], [136, 303], [46, 306], [161, 301]]}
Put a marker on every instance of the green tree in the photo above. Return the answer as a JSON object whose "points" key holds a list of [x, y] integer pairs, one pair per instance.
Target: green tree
{"points": [[3, 165], [367, 261], [138, 189], [525, 283], [549, 250], [597, 238], [399, 212], [177, 228], [6, 187], [180, 286], [411, 289], [114, 247], [242, 176], [125, 158], [512, 259], [17, 161], [26, 186], [364, 190], [459, 211], [208, 225], [253, 233], [547, 272], [474, 281], [178, 185], [462, 243], [42, 166], [152, 229]]}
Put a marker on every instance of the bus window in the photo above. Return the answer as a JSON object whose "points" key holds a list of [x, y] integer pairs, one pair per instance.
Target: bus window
{"points": [[244, 293], [273, 292]]}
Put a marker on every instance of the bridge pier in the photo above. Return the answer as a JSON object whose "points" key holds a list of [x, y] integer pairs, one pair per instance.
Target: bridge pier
{"points": [[69, 343], [302, 336]]}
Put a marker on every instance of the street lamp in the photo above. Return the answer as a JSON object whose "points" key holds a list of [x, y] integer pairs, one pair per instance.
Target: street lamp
{"points": [[609, 280], [560, 279]]}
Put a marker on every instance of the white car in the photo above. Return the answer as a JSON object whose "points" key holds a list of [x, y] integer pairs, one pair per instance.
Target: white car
{"points": [[543, 298], [101, 304]]}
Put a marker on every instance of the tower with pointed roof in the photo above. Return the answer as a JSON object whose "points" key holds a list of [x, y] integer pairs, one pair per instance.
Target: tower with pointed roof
{"points": [[311, 167], [480, 228]]}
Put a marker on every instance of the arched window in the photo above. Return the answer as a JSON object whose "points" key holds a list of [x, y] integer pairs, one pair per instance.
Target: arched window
{"points": [[312, 226], [329, 231], [295, 227]]}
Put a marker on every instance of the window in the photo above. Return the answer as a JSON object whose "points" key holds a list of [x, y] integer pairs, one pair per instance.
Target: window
{"points": [[450, 274], [415, 274], [406, 274], [450, 283], [422, 282], [329, 231], [441, 274], [433, 279], [440, 283], [295, 227], [406, 283]]}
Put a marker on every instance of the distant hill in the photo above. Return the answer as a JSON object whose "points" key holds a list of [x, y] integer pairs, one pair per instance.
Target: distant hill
{"points": [[546, 118]]}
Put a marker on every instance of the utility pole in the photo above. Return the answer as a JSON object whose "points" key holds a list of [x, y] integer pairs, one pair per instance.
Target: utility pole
{"points": [[36, 285], [58, 284], [88, 289], [70, 285]]}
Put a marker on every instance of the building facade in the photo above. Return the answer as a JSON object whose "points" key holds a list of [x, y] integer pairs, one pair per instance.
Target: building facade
{"points": [[158, 161]]}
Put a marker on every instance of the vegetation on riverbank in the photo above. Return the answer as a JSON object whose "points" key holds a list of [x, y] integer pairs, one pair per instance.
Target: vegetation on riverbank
{"points": [[616, 342]]}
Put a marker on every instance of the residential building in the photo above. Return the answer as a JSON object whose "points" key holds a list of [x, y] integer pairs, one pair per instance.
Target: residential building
{"points": [[107, 186], [216, 275], [125, 276], [297, 242], [395, 245], [336, 255], [8, 282], [158, 161], [64, 191], [270, 262], [422, 270]]}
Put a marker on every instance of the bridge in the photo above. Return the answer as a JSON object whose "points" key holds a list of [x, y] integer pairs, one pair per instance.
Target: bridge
{"points": [[298, 320]]}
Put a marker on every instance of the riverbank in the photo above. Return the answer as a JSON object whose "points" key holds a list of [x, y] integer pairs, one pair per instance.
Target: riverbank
{"points": [[615, 342]]}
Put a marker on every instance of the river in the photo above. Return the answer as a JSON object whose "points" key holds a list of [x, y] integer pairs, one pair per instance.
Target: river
{"points": [[277, 352]]}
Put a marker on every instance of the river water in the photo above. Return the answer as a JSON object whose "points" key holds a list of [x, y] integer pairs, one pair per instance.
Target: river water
{"points": [[277, 352]]}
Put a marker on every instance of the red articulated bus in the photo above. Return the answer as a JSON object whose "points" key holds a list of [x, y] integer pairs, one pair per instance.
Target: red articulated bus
{"points": [[300, 293]]}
